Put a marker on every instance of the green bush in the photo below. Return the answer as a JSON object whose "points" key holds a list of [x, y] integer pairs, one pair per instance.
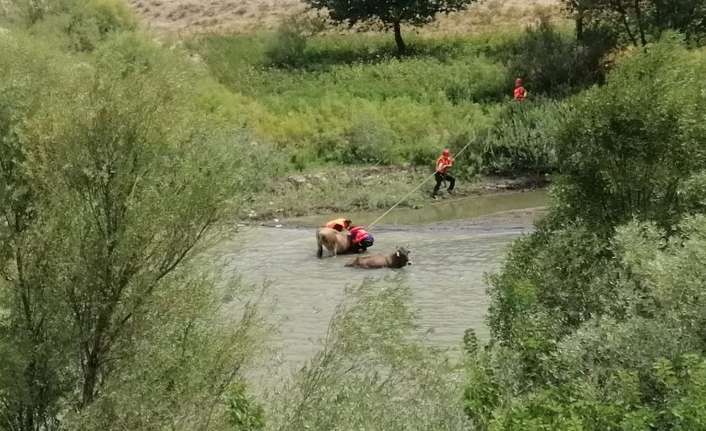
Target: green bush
{"points": [[286, 48], [367, 142], [636, 360], [245, 414], [521, 140], [111, 179], [82, 25], [372, 372], [93, 21], [625, 149], [552, 63], [597, 318]]}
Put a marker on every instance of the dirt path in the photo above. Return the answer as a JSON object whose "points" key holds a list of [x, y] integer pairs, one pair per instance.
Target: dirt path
{"points": [[194, 16]]}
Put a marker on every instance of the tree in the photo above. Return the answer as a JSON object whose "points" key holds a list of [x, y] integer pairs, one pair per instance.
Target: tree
{"points": [[640, 22], [626, 150], [110, 182], [392, 13], [597, 318]]}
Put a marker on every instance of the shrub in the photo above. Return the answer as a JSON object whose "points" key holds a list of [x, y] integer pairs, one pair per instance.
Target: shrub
{"points": [[82, 25], [93, 21], [372, 372], [111, 181], [476, 80], [337, 109], [244, 413], [624, 149], [368, 140], [552, 63], [286, 47], [521, 140], [597, 317]]}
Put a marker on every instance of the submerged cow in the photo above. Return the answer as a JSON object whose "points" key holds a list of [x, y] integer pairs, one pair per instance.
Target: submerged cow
{"points": [[399, 259]]}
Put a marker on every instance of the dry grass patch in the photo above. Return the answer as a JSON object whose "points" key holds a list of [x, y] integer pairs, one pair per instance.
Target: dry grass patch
{"points": [[246, 16]]}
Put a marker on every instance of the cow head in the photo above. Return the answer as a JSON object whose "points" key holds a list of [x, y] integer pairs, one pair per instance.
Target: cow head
{"points": [[401, 258]]}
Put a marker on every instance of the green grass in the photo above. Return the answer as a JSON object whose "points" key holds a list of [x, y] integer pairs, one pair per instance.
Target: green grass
{"points": [[349, 99]]}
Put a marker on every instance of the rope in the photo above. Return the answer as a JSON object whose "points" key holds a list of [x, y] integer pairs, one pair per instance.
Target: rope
{"points": [[377, 220]]}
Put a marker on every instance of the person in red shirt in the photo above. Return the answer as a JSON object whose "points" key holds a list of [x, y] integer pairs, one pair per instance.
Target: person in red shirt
{"points": [[339, 224], [520, 93], [360, 239], [443, 164]]}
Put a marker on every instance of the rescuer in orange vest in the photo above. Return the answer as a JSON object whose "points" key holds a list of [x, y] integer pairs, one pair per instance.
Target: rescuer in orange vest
{"points": [[443, 164], [520, 93], [339, 224], [361, 239]]}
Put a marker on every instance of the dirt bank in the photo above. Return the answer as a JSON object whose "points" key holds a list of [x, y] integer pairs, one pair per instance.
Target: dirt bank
{"points": [[337, 190]]}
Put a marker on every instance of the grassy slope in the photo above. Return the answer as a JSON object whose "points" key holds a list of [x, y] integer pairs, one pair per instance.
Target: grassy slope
{"points": [[350, 100], [355, 102], [352, 103]]}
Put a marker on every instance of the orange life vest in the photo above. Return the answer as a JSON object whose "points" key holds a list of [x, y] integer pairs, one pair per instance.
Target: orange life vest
{"points": [[338, 224], [443, 164]]}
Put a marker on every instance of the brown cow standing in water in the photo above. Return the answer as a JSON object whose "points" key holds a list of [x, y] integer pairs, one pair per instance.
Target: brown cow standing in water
{"points": [[334, 241], [399, 259]]}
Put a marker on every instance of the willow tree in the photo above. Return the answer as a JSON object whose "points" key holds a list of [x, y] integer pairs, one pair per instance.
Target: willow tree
{"points": [[112, 181], [392, 13]]}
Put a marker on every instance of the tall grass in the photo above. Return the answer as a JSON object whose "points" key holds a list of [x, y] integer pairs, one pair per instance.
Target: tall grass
{"points": [[350, 99]]}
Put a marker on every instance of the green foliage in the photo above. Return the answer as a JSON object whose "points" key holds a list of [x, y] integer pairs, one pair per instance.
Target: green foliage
{"points": [[350, 102], [390, 12], [366, 142], [78, 25], [597, 317], [31, 380], [521, 141], [184, 373], [626, 148], [245, 414], [552, 63], [641, 22], [419, 12], [93, 21], [112, 178], [372, 372], [628, 366], [287, 46]]}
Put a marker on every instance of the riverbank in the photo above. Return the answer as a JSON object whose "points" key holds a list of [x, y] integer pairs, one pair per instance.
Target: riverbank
{"points": [[358, 189]]}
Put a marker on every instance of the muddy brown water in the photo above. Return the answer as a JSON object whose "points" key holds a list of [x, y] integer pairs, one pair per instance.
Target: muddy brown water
{"points": [[453, 244]]}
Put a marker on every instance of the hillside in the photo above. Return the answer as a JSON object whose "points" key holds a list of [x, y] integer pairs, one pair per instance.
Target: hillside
{"points": [[249, 15]]}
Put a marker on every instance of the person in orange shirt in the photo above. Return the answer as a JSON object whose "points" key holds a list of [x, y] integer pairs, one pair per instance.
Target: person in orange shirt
{"points": [[443, 164], [339, 224], [360, 239], [520, 93]]}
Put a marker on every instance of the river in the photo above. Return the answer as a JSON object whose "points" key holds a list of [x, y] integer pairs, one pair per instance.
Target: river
{"points": [[453, 245]]}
